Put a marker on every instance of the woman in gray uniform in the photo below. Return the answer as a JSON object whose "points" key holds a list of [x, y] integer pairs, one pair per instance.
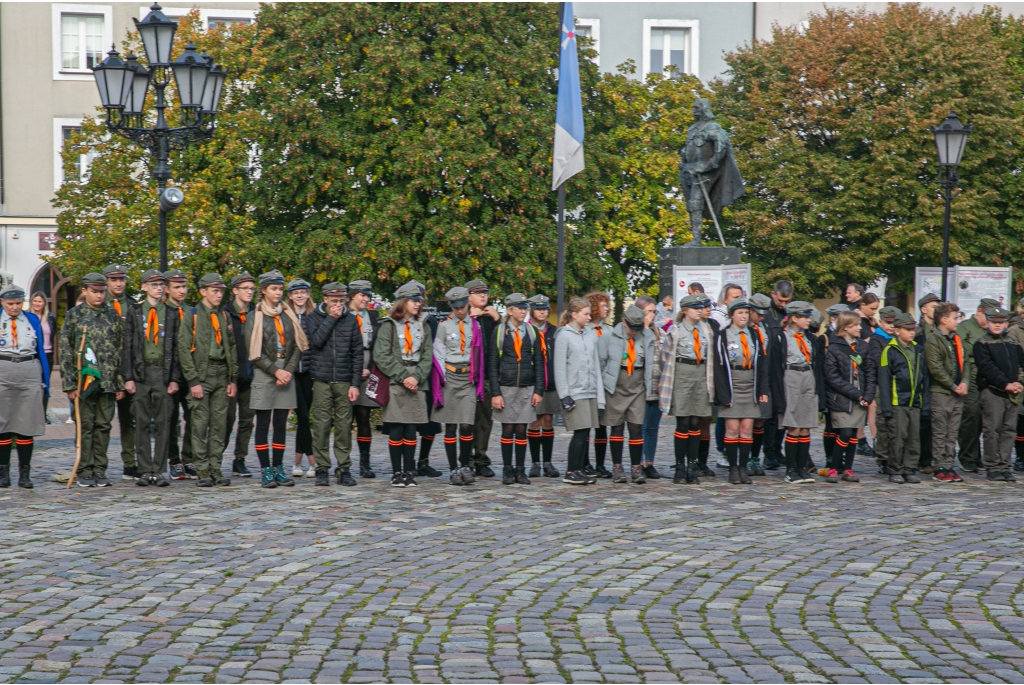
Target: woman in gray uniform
{"points": [[541, 433], [579, 385], [801, 392], [368, 321]]}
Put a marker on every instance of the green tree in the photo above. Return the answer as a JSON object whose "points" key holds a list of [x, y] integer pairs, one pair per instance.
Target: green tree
{"points": [[831, 130]]}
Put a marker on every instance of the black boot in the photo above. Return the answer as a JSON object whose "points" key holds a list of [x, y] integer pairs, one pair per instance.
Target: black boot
{"points": [[550, 471], [691, 474], [508, 476], [744, 476], [323, 478], [364, 467], [679, 475], [345, 478], [425, 469], [5, 476], [521, 476], [734, 475]]}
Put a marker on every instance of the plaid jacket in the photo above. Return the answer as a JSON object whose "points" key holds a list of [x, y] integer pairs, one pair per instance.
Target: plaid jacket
{"points": [[668, 364]]}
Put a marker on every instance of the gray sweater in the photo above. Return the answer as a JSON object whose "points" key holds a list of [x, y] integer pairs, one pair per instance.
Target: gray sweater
{"points": [[610, 351], [577, 370]]}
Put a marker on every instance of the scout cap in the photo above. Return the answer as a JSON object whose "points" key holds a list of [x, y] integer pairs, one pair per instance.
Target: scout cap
{"points": [[690, 302], [12, 292], [363, 287], [409, 291], [332, 289], [211, 281], [738, 303], [540, 302], [272, 277], [799, 308], [175, 276], [997, 314], [633, 317], [95, 281], [889, 314], [457, 296], [476, 286], [817, 318], [298, 284], [760, 303], [422, 288], [704, 300], [153, 276], [988, 303], [115, 271], [930, 297], [905, 320], [517, 300], [837, 309], [244, 277], [1016, 319]]}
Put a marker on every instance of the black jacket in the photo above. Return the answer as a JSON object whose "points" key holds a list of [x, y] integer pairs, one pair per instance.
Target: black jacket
{"points": [[902, 378], [135, 350], [241, 343], [335, 347], [723, 373], [820, 343], [503, 368], [999, 363], [549, 341], [487, 326], [777, 352], [842, 390]]}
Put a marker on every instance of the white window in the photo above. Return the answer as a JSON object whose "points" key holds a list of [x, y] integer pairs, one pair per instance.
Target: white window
{"points": [[670, 42], [63, 131], [591, 28], [82, 34], [221, 19]]}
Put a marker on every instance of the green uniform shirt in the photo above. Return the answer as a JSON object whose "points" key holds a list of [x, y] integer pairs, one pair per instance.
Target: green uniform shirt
{"points": [[217, 352], [970, 332], [153, 352]]}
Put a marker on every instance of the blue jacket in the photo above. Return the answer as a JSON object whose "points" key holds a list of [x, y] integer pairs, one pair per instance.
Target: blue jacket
{"points": [[40, 351]]}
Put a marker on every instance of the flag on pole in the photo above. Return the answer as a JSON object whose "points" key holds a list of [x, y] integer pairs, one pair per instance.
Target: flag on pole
{"points": [[568, 156], [90, 371]]}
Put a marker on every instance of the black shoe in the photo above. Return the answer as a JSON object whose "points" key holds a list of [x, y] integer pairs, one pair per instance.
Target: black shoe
{"points": [[408, 479], [142, 481], [100, 478], [484, 472], [190, 471], [896, 478], [601, 472], [744, 476], [651, 473], [550, 471], [535, 470], [703, 470], [865, 450], [692, 474], [130, 473], [508, 476], [589, 471], [85, 480], [521, 477], [160, 481], [995, 476], [398, 480], [793, 477], [972, 468], [883, 469], [911, 478], [23, 477], [1018, 465], [734, 475], [323, 478], [240, 469], [1007, 476], [770, 464], [5, 476], [364, 467], [679, 475], [204, 482], [345, 478], [221, 482], [574, 478], [426, 470]]}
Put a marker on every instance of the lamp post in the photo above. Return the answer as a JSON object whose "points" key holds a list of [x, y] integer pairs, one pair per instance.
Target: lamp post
{"points": [[950, 140], [123, 85]]}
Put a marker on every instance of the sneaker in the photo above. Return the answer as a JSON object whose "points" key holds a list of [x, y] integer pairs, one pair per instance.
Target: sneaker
{"points": [[142, 481], [591, 479], [831, 476], [297, 472], [467, 475], [240, 469], [808, 476], [865, 450], [159, 481], [911, 478], [345, 478], [651, 473], [1018, 465], [281, 477], [410, 481], [535, 470], [220, 481], [85, 480], [850, 477], [130, 473], [1008, 477], [455, 478], [190, 471], [204, 482], [941, 476], [426, 470], [101, 479], [771, 464], [954, 477], [794, 477], [398, 480], [521, 476], [722, 462], [574, 478], [589, 471], [599, 472], [896, 478], [508, 476], [754, 467], [311, 472], [178, 472], [637, 475], [618, 474], [267, 477], [550, 471]]}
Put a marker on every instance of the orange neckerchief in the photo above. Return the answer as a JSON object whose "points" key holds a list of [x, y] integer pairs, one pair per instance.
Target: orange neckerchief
{"points": [[853, 348], [517, 344], [803, 346], [630, 356], [241, 317], [462, 336], [117, 307], [408, 339], [543, 345], [959, 352], [760, 337], [280, 330], [14, 334], [215, 322], [359, 323], [696, 345], [152, 324], [747, 363], [598, 330]]}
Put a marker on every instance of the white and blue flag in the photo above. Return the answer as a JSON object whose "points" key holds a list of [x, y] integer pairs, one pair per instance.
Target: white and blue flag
{"points": [[567, 160]]}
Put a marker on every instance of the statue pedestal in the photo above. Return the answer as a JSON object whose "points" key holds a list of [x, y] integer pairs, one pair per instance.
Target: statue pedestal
{"points": [[677, 255]]}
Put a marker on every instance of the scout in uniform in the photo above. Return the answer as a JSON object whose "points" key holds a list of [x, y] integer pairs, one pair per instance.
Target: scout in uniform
{"points": [[209, 365], [882, 336], [829, 435], [517, 384], [774, 359], [243, 288], [336, 366], [429, 430], [926, 306], [299, 301], [117, 281], [948, 372], [152, 376], [102, 331], [485, 315], [24, 383], [599, 309], [1001, 388], [541, 433], [850, 388], [801, 393], [971, 330], [687, 382], [368, 321], [626, 355], [902, 395], [175, 291], [1016, 332], [578, 383], [459, 350], [704, 450], [402, 352]]}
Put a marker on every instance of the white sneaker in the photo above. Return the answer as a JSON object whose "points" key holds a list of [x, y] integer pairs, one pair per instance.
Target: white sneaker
{"points": [[297, 471], [311, 473], [723, 462]]}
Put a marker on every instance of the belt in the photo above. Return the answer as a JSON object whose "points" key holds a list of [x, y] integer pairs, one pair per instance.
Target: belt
{"points": [[158, 362], [406, 362], [280, 355], [635, 368], [216, 362], [16, 358], [691, 362], [798, 367], [456, 369]]}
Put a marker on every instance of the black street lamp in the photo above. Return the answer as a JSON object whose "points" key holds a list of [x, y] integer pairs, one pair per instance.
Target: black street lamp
{"points": [[950, 141], [123, 85]]}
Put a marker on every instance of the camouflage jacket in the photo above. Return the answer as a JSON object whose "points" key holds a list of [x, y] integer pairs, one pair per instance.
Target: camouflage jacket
{"points": [[106, 336]]}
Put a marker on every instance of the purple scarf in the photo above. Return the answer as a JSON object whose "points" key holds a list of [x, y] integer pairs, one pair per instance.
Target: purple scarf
{"points": [[476, 361], [436, 384]]}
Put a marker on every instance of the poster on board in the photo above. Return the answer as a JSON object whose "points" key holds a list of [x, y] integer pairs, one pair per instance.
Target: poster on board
{"points": [[928, 279], [976, 282], [711, 277]]}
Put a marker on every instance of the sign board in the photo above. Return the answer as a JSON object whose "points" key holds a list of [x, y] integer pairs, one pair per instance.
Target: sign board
{"points": [[928, 279], [966, 285], [711, 277], [47, 240]]}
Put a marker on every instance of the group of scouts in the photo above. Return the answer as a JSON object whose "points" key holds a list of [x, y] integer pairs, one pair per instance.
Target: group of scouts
{"points": [[765, 367]]}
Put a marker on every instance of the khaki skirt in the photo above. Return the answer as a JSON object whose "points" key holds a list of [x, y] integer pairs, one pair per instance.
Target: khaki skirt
{"points": [[21, 398], [550, 404], [743, 405], [459, 400], [406, 407], [267, 394], [690, 391], [518, 406], [583, 416], [852, 419], [629, 401], [801, 400]]}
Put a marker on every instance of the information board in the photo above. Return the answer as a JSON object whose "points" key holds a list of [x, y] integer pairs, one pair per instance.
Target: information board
{"points": [[711, 277]]}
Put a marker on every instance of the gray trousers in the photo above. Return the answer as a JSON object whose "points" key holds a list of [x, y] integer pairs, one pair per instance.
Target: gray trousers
{"points": [[946, 412], [246, 420], [970, 429], [904, 434], [331, 409], [151, 401], [999, 425]]}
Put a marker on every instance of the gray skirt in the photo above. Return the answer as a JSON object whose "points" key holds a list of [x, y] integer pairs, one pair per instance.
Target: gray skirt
{"points": [[21, 398], [518, 406], [267, 394], [550, 404], [459, 400], [853, 419], [363, 400], [743, 405], [582, 416], [690, 391], [801, 400], [628, 402], [406, 407]]}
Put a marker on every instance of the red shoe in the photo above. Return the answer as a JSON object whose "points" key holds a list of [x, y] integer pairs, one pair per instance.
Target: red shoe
{"points": [[850, 477], [832, 476], [942, 476], [953, 476]]}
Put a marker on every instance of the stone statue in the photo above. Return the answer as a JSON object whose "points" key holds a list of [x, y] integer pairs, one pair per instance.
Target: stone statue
{"points": [[707, 169]]}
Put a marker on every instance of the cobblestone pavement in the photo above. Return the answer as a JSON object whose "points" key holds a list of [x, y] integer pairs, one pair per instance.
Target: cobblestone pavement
{"points": [[546, 583]]}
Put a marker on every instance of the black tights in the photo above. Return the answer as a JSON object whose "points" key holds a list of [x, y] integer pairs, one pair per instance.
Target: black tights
{"points": [[513, 438], [845, 449], [636, 443], [453, 443], [363, 435], [402, 447], [687, 440], [578, 449], [600, 446], [263, 421], [24, 445]]}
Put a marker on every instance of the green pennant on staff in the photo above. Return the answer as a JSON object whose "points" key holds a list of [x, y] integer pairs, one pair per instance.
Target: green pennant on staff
{"points": [[90, 372]]}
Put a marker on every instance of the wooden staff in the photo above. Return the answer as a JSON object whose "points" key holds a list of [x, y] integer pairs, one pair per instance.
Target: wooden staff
{"points": [[78, 412]]}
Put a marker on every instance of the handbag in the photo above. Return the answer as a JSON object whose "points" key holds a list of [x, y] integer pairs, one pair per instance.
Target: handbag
{"points": [[378, 385]]}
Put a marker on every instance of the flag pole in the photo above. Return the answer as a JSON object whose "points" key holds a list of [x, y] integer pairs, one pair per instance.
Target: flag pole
{"points": [[78, 411], [561, 249]]}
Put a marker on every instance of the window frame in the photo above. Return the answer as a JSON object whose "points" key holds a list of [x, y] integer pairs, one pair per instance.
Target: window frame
{"points": [[59, 124], [58, 10], [692, 66], [204, 14], [595, 30]]}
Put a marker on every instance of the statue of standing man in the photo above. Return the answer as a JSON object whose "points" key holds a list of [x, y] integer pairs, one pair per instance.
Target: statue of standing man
{"points": [[707, 169]]}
